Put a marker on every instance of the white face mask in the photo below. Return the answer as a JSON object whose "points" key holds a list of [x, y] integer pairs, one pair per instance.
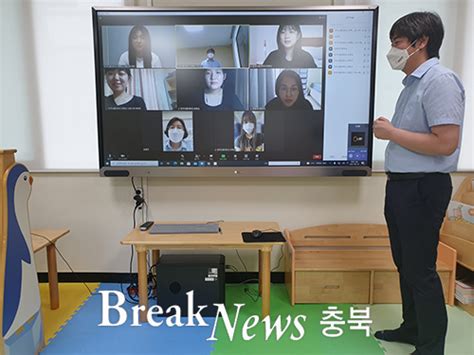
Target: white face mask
{"points": [[248, 127], [176, 135], [398, 57]]}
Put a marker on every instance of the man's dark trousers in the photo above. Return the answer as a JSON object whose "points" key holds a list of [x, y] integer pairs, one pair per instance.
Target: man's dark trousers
{"points": [[415, 205]]}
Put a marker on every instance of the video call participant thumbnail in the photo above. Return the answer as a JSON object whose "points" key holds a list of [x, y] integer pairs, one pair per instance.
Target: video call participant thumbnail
{"points": [[139, 54], [212, 46], [210, 61], [289, 53], [289, 92], [249, 140], [175, 136], [212, 89], [296, 136], [118, 80]]}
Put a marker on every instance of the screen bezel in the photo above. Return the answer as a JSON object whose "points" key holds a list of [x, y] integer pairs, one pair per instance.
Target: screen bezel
{"points": [[219, 171]]}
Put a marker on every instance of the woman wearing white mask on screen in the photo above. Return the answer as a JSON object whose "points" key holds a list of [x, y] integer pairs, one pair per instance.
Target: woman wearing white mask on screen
{"points": [[249, 140], [176, 134]]}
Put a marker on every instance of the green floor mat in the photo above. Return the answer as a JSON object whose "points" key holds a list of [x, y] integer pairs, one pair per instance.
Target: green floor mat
{"points": [[313, 341]]}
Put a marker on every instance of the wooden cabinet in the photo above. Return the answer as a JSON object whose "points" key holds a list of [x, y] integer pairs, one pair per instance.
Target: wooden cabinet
{"points": [[458, 233], [350, 263], [332, 286]]}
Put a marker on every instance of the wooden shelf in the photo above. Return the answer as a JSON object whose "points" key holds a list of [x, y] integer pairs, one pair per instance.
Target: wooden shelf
{"points": [[465, 249], [459, 234], [469, 308]]}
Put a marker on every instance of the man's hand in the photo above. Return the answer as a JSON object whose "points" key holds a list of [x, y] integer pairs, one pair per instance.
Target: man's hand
{"points": [[383, 128]]}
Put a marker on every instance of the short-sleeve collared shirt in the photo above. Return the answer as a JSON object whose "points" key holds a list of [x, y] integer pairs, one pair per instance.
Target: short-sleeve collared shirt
{"points": [[433, 95]]}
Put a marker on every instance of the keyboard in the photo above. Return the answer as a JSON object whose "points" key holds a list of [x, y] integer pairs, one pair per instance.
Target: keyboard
{"points": [[197, 228]]}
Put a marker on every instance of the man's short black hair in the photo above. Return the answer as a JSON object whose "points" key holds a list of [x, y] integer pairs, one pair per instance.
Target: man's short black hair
{"points": [[417, 25], [211, 50]]}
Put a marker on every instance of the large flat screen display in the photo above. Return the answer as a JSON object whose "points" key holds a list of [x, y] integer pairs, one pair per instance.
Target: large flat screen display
{"points": [[235, 92]]}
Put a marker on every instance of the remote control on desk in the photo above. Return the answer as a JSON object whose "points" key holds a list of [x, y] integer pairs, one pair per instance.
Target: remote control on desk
{"points": [[145, 226]]}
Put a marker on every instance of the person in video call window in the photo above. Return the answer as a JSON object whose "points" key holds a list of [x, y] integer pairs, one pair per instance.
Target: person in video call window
{"points": [[210, 61], [424, 142], [214, 96], [176, 134], [289, 91], [289, 53], [118, 80], [248, 140], [139, 54]]}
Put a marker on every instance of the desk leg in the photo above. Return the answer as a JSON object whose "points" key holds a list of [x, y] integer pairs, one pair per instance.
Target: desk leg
{"points": [[259, 272], [52, 276], [265, 280], [142, 284], [155, 259]]}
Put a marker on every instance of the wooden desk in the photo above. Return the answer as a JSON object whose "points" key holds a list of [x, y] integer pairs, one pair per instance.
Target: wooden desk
{"points": [[39, 243], [229, 238]]}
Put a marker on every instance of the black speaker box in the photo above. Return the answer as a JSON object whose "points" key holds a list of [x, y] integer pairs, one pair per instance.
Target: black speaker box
{"points": [[179, 274]]}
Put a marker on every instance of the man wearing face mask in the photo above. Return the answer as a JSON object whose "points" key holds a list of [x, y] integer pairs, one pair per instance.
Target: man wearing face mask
{"points": [[424, 139], [210, 61], [176, 133]]}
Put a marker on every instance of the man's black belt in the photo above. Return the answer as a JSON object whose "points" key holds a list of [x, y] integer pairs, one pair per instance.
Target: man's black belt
{"points": [[409, 176]]}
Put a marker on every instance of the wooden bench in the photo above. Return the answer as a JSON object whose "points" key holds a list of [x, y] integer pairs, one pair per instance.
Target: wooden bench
{"points": [[350, 263], [42, 238]]}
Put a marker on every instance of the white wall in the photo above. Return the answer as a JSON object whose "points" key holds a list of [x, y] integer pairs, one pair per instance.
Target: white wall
{"points": [[457, 53], [48, 102], [99, 210]]}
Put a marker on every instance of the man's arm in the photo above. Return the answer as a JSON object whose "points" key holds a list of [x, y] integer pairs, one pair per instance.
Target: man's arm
{"points": [[443, 139]]}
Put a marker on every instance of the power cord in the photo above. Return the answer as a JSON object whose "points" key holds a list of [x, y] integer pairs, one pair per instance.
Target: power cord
{"points": [[249, 292], [279, 260], [66, 262], [231, 267], [132, 288], [238, 254], [138, 198], [252, 293]]}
